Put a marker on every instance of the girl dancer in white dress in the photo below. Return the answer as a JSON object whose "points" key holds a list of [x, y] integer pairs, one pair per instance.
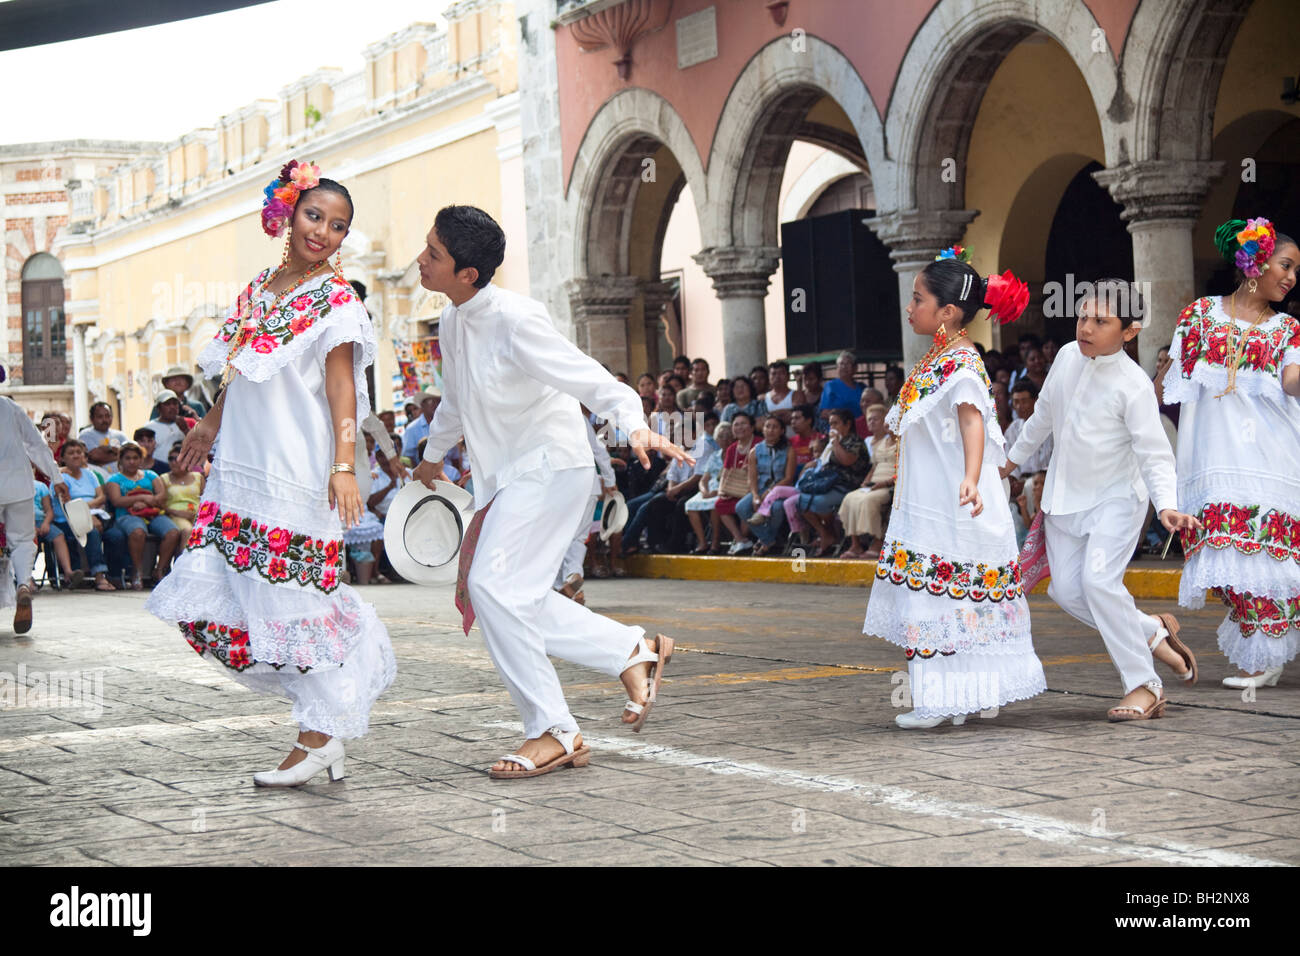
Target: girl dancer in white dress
{"points": [[1234, 365], [258, 585], [947, 586]]}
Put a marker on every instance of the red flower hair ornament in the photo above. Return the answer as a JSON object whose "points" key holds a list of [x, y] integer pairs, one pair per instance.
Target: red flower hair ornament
{"points": [[1005, 298]]}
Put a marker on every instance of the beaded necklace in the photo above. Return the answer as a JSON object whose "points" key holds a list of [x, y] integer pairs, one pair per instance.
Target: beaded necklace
{"points": [[1235, 339], [248, 327]]}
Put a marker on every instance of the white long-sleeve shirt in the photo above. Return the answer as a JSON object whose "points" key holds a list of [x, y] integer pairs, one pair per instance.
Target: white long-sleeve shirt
{"points": [[1107, 437], [21, 446], [512, 386]]}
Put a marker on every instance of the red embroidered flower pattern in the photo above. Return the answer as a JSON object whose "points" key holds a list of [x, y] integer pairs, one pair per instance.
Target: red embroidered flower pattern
{"points": [[207, 511], [1247, 529], [957, 579], [293, 318], [280, 556], [263, 344]]}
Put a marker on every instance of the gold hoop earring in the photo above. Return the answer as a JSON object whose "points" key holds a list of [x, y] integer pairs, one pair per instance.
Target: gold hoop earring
{"points": [[1252, 286]]}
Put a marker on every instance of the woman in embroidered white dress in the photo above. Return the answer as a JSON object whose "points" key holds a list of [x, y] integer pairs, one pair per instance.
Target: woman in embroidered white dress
{"points": [[1234, 365], [258, 585], [947, 586]]}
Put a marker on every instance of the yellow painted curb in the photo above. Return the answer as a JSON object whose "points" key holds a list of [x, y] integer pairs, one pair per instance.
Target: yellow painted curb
{"points": [[1142, 583]]}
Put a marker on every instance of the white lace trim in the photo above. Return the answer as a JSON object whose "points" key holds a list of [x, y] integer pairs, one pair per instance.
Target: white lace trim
{"points": [[1259, 651], [964, 684], [918, 620], [1239, 485], [272, 500], [1257, 574], [281, 620]]}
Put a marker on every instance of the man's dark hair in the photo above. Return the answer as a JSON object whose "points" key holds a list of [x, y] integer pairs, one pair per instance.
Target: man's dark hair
{"points": [[806, 410], [97, 405], [779, 363], [473, 239], [701, 361], [675, 378], [705, 401], [1025, 385], [681, 360], [143, 430]]}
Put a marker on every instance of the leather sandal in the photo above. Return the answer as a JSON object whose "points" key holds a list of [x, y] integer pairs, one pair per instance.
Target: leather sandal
{"points": [[659, 660], [1133, 712], [570, 758], [23, 611], [1170, 631]]}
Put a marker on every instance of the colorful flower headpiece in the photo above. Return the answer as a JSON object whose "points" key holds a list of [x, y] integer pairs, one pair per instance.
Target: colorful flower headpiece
{"points": [[1247, 245], [960, 253], [1006, 297], [281, 195]]}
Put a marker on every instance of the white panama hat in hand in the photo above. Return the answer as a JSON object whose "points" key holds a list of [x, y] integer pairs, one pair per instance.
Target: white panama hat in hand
{"points": [[613, 516], [424, 529], [79, 519]]}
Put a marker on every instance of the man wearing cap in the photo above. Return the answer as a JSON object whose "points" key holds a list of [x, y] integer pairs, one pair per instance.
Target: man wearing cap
{"points": [[177, 380], [418, 429], [168, 427], [512, 387], [21, 446]]}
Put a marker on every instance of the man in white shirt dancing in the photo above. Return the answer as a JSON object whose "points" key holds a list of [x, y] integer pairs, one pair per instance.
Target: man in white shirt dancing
{"points": [[1109, 455], [512, 386], [21, 446]]}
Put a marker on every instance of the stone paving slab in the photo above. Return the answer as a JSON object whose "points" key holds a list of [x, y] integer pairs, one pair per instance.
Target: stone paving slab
{"points": [[773, 744]]}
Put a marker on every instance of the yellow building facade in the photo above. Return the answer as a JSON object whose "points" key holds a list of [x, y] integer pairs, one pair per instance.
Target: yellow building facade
{"points": [[158, 248]]}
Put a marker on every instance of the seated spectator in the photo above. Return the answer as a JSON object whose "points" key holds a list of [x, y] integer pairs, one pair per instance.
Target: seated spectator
{"points": [[893, 384], [811, 384], [743, 399], [803, 419], [844, 463], [419, 428], [181, 383], [781, 505], [144, 437], [863, 510], [699, 384], [870, 396], [778, 398], [676, 382], [682, 368], [1002, 405], [47, 505], [646, 386], [1052, 345], [734, 482], [50, 426], [103, 441], [389, 420], [758, 378], [183, 491], [705, 444], [653, 515], [137, 496], [771, 464], [85, 484], [722, 394], [842, 391], [1027, 480], [168, 427], [703, 501]]}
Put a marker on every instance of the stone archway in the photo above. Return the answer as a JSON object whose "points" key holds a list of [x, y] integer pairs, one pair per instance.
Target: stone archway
{"points": [[766, 111], [634, 161]]}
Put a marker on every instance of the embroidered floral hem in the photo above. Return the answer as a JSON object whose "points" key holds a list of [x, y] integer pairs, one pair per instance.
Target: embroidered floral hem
{"points": [[940, 576], [1272, 617], [1247, 529], [278, 555]]}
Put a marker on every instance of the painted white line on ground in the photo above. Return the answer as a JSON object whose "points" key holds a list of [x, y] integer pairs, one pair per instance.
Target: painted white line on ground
{"points": [[1037, 826]]}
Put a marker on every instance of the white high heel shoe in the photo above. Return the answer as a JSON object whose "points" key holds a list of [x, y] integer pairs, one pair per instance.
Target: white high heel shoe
{"points": [[329, 757], [910, 721], [1268, 678]]}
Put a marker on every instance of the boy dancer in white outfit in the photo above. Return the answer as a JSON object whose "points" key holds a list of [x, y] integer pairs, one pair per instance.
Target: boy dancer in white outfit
{"points": [[1110, 454], [512, 386]]}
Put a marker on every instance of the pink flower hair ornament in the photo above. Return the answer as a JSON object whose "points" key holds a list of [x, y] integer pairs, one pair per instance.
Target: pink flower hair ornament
{"points": [[281, 195]]}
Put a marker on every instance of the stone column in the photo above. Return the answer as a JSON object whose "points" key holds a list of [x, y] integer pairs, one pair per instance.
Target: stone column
{"points": [[80, 383], [914, 238], [600, 309], [654, 296], [1162, 201], [740, 277]]}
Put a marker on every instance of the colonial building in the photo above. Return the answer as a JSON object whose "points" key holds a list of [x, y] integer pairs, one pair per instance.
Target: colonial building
{"points": [[161, 238], [1062, 140]]}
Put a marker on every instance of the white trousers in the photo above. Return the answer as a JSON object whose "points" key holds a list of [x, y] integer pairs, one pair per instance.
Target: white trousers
{"points": [[19, 519], [576, 553], [520, 547], [1088, 552]]}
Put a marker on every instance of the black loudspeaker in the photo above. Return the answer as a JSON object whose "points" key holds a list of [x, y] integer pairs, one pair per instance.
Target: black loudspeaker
{"points": [[841, 291]]}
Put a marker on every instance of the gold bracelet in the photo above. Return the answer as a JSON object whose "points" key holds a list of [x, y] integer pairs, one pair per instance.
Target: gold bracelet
{"points": [[342, 466]]}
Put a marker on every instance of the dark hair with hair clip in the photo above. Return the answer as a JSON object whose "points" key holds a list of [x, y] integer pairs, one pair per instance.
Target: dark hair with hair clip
{"points": [[948, 278]]}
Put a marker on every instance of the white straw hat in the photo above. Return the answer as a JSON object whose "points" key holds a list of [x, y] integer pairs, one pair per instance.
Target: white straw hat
{"points": [[424, 529]]}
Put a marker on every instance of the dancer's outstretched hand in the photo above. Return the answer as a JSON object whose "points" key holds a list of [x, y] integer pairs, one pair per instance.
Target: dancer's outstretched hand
{"points": [[644, 439], [969, 494], [428, 472], [1177, 521]]}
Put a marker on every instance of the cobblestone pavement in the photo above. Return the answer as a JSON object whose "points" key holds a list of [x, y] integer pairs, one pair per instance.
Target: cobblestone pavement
{"points": [[773, 743]]}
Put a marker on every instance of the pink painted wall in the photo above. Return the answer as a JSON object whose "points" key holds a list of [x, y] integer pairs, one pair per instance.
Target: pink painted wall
{"points": [[873, 34]]}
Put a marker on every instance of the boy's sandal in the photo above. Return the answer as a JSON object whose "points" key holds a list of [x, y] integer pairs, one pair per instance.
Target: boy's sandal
{"points": [[1170, 627], [1133, 712], [570, 758], [659, 660]]}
